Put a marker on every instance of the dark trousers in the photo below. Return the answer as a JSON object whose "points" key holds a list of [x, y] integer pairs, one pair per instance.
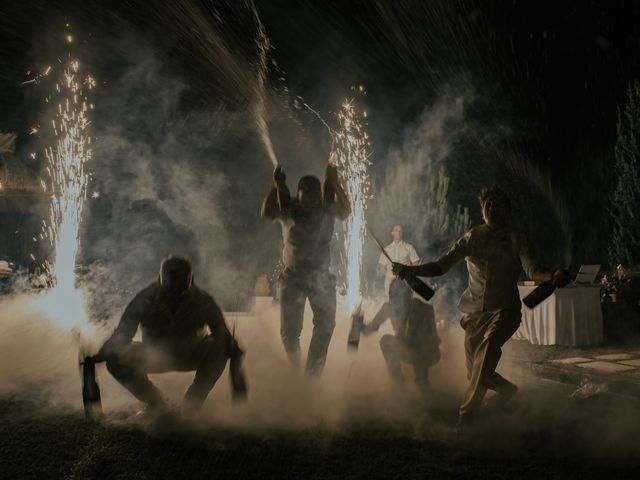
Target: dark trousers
{"points": [[293, 290], [395, 351], [131, 364], [485, 333]]}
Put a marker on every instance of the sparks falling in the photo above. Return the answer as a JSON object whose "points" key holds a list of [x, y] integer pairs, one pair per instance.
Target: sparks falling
{"points": [[351, 145], [67, 185]]}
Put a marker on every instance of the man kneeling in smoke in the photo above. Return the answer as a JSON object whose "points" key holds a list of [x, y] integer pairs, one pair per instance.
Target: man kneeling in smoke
{"points": [[182, 329], [415, 340], [495, 254], [307, 227]]}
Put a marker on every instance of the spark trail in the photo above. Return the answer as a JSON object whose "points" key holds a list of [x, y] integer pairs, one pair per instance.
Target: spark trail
{"points": [[351, 146], [263, 44]]}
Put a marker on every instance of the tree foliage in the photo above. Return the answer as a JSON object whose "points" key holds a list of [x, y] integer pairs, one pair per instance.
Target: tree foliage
{"points": [[625, 202]]}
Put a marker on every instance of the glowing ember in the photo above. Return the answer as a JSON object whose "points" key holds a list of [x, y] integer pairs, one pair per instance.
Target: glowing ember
{"points": [[351, 145]]}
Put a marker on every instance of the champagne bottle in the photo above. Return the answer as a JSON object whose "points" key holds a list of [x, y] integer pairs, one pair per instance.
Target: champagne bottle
{"points": [[90, 390], [357, 321], [420, 287], [539, 294], [236, 373]]}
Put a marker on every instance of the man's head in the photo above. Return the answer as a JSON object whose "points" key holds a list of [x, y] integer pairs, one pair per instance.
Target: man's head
{"points": [[309, 192], [495, 205], [176, 276], [396, 232]]}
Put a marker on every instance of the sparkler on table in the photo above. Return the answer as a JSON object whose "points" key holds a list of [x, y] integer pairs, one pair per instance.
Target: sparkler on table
{"points": [[351, 148]]}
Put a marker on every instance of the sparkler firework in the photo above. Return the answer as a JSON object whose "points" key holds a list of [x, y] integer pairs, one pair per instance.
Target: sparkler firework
{"points": [[68, 179], [67, 185], [351, 146]]}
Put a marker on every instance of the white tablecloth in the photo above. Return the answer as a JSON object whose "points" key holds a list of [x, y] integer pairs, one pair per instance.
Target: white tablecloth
{"points": [[571, 316]]}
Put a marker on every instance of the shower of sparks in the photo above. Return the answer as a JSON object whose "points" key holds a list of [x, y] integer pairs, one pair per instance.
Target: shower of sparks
{"points": [[351, 145], [263, 44], [67, 184]]}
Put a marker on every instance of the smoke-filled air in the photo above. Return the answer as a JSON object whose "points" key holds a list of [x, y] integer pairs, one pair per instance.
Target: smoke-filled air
{"points": [[355, 239]]}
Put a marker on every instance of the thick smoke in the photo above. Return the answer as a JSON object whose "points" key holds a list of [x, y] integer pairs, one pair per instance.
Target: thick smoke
{"points": [[172, 176], [177, 173]]}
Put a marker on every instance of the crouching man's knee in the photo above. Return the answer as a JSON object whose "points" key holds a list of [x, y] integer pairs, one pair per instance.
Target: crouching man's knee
{"points": [[386, 342], [116, 367], [218, 349], [125, 361]]}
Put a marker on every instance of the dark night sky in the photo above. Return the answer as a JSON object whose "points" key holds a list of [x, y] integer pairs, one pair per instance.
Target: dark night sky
{"points": [[564, 65], [553, 72]]}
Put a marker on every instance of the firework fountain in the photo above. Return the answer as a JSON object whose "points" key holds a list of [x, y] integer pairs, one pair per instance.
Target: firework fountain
{"points": [[67, 185], [351, 148]]}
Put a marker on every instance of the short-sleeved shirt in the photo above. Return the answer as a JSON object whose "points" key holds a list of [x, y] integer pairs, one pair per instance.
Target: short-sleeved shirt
{"points": [[495, 258], [306, 236], [400, 252]]}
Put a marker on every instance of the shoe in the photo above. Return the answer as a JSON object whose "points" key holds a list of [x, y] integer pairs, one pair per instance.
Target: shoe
{"points": [[463, 425], [152, 413], [425, 389], [507, 392], [504, 396], [188, 411]]}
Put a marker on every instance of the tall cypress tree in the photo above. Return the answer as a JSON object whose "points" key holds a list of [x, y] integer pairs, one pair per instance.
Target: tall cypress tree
{"points": [[625, 202]]}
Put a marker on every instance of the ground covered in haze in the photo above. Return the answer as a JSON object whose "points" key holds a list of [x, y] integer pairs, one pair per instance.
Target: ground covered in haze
{"points": [[550, 435]]}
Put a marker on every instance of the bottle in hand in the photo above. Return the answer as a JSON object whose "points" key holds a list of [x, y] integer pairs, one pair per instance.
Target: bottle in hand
{"points": [[236, 372], [90, 390], [539, 294], [357, 322]]}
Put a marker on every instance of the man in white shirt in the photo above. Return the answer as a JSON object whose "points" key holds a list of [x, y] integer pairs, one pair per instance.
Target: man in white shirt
{"points": [[400, 252]]}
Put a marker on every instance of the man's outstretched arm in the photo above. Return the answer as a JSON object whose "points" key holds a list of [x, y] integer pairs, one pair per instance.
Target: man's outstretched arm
{"points": [[457, 252]]}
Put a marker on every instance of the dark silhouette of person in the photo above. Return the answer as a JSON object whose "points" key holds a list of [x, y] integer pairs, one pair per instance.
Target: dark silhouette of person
{"points": [[183, 329], [307, 223], [495, 254], [415, 340]]}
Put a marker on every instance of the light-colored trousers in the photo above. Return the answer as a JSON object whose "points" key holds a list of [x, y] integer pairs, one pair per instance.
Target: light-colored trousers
{"points": [[485, 333]]}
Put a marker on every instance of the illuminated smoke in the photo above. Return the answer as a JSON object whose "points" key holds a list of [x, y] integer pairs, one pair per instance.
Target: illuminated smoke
{"points": [[351, 146]]}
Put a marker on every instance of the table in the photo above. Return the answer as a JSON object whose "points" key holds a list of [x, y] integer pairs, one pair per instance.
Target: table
{"points": [[571, 316]]}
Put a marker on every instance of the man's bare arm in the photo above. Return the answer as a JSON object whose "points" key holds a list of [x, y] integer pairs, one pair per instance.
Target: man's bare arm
{"points": [[126, 329], [456, 253]]}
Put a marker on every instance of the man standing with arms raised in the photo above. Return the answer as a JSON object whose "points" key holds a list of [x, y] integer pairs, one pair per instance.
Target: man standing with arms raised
{"points": [[307, 222]]}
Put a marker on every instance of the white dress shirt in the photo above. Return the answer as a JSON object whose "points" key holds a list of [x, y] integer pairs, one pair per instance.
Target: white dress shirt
{"points": [[400, 252]]}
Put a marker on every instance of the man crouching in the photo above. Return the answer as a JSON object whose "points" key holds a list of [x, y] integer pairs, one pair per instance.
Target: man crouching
{"points": [[183, 329]]}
